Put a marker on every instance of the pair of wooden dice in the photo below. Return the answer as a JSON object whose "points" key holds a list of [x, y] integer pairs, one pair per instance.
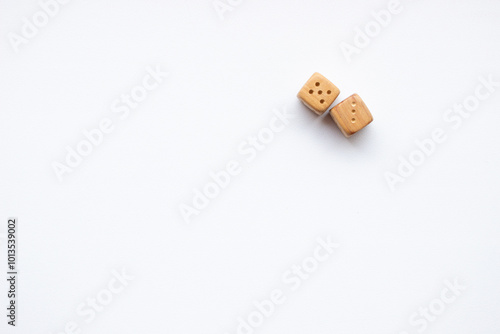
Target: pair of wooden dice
{"points": [[351, 115]]}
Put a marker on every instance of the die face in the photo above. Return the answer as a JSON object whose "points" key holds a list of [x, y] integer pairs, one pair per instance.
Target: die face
{"points": [[351, 115], [318, 93]]}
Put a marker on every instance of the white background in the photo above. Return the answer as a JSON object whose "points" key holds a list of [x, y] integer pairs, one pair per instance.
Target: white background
{"points": [[120, 207]]}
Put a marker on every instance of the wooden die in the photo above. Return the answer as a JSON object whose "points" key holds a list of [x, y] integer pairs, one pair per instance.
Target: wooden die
{"points": [[351, 115], [318, 93]]}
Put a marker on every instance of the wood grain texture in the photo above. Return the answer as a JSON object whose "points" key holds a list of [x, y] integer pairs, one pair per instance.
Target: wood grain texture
{"points": [[351, 115], [318, 93]]}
